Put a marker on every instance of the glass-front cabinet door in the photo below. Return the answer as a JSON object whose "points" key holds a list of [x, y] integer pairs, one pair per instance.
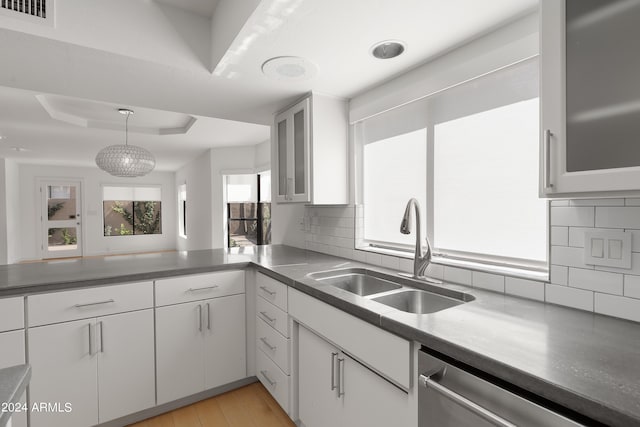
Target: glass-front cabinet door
{"points": [[590, 96], [292, 153]]}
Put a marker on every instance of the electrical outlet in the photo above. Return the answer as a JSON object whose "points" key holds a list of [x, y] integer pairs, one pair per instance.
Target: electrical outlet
{"points": [[607, 248]]}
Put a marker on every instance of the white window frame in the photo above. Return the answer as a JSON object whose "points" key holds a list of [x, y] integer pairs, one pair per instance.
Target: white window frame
{"points": [[517, 267], [158, 186], [182, 189]]}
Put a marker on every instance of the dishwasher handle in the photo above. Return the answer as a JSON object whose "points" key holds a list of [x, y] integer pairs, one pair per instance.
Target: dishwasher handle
{"points": [[484, 413]]}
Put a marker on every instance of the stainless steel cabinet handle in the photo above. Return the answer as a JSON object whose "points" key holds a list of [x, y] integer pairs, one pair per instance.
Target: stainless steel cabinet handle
{"points": [[465, 403], [94, 303], [548, 186], [266, 316], [199, 317], [265, 342], [269, 380], [264, 288], [208, 316], [205, 288], [333, 370], [101, 337], [90, 339], [340, 377]]}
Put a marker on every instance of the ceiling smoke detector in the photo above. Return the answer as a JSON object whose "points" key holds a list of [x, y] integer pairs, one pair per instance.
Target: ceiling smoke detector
{"points": [[388, 49], [289, 68]]}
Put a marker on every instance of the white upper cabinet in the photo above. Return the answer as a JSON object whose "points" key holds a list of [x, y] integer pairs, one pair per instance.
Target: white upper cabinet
{"points": [[310, 152], [590, 97]]}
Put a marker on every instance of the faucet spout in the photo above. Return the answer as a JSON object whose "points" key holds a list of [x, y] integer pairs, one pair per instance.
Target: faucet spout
{"points": [[421, 258]]}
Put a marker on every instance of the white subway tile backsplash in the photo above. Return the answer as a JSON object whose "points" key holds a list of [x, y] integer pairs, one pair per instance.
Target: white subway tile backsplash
{"points": [[635, 240], [594, 280], [568, 256], [491, 282], [360, 255], [613, 305], [632, 202], [524, 288], [559, 274], [563, 295], [618, 217], [435, 271], [560, 236], [405, 264], [457, 275], [597, 202], [632, 286], [390, 262], [572, 216], [373, 258]]}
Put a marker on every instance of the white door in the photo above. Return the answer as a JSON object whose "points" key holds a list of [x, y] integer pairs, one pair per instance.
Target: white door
{"points": [[126, 377], [369, 400], [61, 222], [179, 351], [12, 345], [225, 340], [64, 372], [319, 404]]}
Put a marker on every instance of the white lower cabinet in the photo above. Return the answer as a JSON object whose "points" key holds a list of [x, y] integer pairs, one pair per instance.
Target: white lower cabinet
{"points": [[200, 345], [11, 354], [91, 370], [336, 390]]}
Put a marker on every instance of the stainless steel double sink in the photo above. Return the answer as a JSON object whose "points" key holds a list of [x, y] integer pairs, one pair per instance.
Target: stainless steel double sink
{"points": [[393, 291]]}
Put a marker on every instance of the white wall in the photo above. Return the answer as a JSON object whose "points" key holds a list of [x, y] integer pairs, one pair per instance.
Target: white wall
{"points": [[197, 175], [13, 211], [3, 214], [95, 243]]}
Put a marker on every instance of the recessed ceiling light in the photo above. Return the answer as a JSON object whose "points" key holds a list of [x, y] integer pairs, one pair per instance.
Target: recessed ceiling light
{"points": [[2, 137], [290, 68], [388, 49]]}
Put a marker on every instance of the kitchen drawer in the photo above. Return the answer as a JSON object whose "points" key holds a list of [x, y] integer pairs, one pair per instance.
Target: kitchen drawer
{"points": [[64, 306], [197, 287], [340, 328], [273, 379], [11, 314], [273, 316], [273, 291], [273, 344]]}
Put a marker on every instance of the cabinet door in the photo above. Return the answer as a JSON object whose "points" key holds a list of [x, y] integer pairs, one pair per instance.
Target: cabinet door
{"points": [[126, 377], [369, 400], [12, 345], [281, 163], [299, 170], [179, 351], [319, 404], [589, 96], [225, 340], [64, 371]]}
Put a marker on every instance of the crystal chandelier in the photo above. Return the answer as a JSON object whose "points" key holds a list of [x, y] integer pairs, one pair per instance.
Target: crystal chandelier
{"points": [[125, 160]]}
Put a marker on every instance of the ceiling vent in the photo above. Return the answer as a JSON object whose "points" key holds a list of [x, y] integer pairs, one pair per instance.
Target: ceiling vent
{"points": [[37, 11]]}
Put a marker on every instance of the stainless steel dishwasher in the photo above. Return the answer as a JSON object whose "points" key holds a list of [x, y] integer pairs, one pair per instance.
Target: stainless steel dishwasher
{"points": [[453, 397]]}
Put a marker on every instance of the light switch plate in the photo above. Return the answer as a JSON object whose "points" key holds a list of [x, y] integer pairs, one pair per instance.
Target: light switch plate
{"points": [[607, 248]]}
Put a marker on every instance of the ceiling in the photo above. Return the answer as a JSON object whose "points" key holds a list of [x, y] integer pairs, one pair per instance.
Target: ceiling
{"points": [[180, 60]]}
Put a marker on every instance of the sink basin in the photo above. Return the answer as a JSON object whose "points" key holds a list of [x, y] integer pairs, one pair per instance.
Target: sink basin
{"points": [[359, 283], [416, 301]]}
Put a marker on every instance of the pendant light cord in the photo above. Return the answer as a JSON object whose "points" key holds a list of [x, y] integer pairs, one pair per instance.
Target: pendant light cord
{"points": [[126, 129]]}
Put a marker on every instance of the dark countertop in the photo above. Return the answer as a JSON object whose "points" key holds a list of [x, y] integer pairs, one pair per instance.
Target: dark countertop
{"points": [[13, 382], [586, 362]]}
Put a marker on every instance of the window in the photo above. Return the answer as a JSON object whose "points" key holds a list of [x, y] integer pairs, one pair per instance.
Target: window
{"points": [[131, 210], [249, 209], [182, 210], [469, 154]]}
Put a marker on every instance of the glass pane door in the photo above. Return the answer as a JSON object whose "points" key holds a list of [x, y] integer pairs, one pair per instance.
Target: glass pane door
{"points": [[61, 220], [282, 158]]}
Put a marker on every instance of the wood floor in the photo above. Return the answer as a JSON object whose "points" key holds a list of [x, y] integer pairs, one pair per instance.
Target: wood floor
{"points": [[249, 406]]}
